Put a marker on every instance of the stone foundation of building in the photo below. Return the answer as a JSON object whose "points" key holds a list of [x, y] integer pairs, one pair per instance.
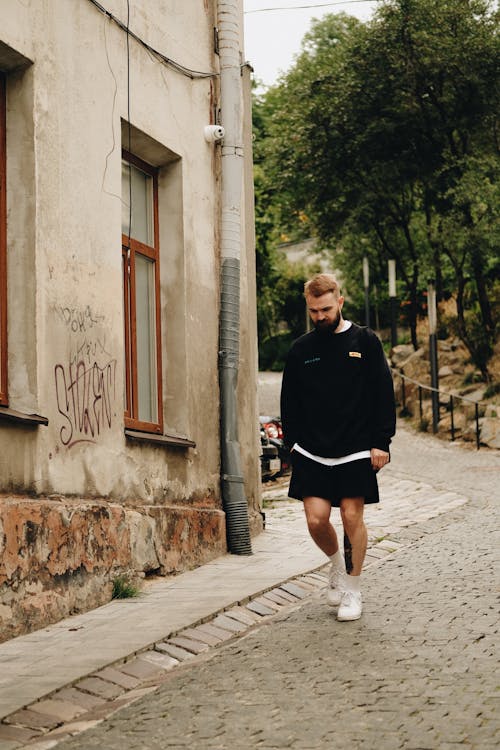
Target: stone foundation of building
{"points": [[60, 556]]}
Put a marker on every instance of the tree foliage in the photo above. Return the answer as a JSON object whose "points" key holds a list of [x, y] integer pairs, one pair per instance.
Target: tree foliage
{"points": [[385, 135], [279, 284]]}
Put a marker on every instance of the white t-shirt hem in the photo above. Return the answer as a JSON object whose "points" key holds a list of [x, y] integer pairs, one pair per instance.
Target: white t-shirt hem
{"points": [[332, 461]]}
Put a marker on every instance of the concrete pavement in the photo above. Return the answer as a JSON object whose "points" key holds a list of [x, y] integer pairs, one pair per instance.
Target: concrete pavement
{"points": [[87, 666]]}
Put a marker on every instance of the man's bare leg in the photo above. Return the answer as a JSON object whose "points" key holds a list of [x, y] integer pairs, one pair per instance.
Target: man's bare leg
{"points": [[351, 511], [317, 511]]}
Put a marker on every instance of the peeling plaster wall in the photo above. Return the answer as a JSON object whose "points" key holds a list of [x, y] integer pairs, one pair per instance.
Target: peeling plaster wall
{"points": [[65, 118], [59, 557]]}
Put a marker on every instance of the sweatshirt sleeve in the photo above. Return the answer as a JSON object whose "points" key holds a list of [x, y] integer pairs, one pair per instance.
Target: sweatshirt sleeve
{"points": [[290, 402], [383, 407]]}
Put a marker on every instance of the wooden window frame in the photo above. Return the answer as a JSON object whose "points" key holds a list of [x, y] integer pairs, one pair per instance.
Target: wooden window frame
{"points": [[4, 401], [131, 247]]}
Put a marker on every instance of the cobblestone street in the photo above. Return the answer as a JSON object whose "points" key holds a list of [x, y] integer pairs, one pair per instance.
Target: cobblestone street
{"points": [[418, 671]]}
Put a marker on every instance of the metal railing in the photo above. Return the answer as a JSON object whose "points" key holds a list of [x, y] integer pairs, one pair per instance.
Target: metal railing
{"points": [[451, 397]]}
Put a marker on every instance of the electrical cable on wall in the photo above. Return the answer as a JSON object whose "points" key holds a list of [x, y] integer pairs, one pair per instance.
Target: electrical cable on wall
{"points": [[307, 7], [115, 93], [188, 72], [129, 127]]}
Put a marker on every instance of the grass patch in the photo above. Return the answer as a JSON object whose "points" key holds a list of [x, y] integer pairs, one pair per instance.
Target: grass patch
{"points": [[472, 377], [123, 589]]}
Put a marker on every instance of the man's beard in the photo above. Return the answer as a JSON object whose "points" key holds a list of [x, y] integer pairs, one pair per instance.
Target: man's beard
{"points": [[327, 327]]}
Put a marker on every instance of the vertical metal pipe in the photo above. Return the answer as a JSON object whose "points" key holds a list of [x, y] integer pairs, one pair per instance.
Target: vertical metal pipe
{"points": [[394, 323], [375, 296], [232, 484], [434, 381], [433, 354], [452, 419], [420, 402], [478, 442], [393, 301], [366, 284]]}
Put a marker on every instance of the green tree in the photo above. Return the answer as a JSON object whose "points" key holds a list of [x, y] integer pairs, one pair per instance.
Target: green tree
{"points": [[280, 303], [380, 132], [266, 226]]}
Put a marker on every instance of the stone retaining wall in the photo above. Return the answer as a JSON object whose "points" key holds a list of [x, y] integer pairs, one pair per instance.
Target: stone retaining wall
{"points": [[60, 556]]}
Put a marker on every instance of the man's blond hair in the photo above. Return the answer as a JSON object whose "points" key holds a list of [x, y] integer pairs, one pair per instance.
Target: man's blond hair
{"points": [[320, 284]]}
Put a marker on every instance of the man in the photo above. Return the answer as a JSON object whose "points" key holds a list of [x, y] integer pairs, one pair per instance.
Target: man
{"points": [[338, 414]]}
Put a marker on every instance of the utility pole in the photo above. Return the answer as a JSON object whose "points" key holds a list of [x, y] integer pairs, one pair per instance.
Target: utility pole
{"points": [[375, 297], [394, 303], [433, 354], [366, 284]]}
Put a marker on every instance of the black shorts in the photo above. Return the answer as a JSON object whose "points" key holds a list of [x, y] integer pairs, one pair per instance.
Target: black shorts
{"points": [[352, 479]]}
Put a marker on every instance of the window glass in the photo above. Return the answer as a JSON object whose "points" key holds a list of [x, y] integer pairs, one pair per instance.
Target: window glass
{"points": [[140, 289], [138, 183], [127, 354], [146, 338], [3, 246]]}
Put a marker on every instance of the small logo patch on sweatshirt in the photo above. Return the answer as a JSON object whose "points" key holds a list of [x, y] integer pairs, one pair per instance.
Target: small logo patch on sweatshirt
{"points": [[355, 354]]}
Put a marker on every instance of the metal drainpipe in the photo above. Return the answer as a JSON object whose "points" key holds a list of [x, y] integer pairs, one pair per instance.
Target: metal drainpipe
{"points": [[232, 485]]}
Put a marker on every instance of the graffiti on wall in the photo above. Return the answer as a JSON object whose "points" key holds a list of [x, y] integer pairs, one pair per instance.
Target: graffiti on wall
{"points": [[85, 397], [79, 321], [85, 384]]}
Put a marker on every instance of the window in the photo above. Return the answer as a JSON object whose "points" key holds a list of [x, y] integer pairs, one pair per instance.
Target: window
{"points": [[3, 245], [141, 300]]}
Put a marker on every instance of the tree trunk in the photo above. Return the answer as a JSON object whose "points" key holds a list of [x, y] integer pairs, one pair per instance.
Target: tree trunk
{"points": [[482, 293], [462, 329], [472, 346]]}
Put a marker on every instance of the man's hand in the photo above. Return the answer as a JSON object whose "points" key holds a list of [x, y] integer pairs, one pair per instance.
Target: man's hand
{"points": [[379, 458]]}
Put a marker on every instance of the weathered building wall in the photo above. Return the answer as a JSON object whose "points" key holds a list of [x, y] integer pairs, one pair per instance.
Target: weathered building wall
{"points": [[101, 503]]}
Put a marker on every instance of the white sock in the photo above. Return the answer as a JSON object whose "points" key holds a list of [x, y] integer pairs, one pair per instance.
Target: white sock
{"points": [[338, 560], [353, 583]]}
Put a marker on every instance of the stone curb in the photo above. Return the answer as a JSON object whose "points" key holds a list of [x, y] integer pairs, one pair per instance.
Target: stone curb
{"points": [[68, 710]]}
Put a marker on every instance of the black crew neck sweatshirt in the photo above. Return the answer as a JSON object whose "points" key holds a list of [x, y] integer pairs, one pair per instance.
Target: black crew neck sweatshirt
{"points": [[337, 395]]}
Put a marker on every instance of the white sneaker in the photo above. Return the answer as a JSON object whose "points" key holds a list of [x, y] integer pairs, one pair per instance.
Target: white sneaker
{"points": [[350, 607], [336, 586]]}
